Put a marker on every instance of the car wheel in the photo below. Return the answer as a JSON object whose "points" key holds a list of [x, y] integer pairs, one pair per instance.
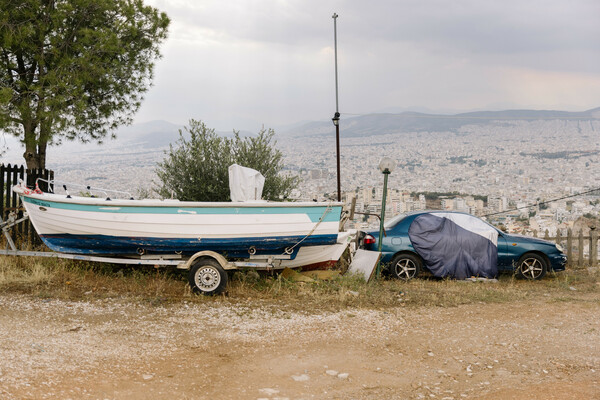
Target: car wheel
{"points": [[531, 266], [405, 266], [207, 277]]}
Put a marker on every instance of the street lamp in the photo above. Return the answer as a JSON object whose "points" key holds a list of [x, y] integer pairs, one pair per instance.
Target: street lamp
{"points": [[336, 116], [386, 166], [336, 122]]}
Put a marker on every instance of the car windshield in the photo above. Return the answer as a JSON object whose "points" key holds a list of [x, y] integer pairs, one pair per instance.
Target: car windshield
{"points": [[392, 222], [495, 227]]}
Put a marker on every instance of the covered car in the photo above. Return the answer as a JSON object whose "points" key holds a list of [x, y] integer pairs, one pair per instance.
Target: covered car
{"points": [[460, 245], [455, 245]]}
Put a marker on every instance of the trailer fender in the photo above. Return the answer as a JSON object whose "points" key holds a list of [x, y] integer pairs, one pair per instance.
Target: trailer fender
{"points": [[207, 253]]}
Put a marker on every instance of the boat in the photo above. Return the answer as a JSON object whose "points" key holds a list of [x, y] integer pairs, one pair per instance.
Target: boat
{"points": [[105, 226], [310, 258]]}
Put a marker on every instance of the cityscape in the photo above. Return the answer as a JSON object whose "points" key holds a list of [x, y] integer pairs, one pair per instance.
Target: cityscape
{"points": [[494, 168], [517, 166]]}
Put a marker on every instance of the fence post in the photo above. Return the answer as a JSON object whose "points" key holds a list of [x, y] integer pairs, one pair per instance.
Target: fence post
{"points": [[2, 169], [18, 174], [547, 235], [570, 246], [534, 233], [7, 190], [593, 247], [580, 258]]}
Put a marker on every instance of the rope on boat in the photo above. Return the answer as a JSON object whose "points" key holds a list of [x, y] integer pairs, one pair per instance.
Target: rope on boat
{"points": [[289, 250]]}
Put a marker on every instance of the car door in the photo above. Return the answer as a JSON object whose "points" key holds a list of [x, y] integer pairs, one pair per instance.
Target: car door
{"points": [[505, 257]]}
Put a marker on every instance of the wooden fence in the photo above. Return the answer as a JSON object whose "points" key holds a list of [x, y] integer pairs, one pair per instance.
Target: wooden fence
{"points": [[9, 201], [575, 245]]}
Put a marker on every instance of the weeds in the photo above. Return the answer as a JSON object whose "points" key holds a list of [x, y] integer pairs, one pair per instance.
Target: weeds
{"points": [[69, 279]]}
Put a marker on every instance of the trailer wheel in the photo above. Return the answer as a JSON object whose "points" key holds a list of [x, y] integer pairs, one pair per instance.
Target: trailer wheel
{"points": [[207, 277]]}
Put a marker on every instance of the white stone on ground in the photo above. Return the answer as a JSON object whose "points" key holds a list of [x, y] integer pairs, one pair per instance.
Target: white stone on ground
{"points": [[300, 378]]}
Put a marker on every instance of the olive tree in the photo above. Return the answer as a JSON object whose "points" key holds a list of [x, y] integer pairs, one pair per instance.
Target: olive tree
{"points": [[197, 168], [74, 69]]}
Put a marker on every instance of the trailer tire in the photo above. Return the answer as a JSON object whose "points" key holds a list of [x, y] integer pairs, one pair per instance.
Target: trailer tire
{"points": [[207, 277]]}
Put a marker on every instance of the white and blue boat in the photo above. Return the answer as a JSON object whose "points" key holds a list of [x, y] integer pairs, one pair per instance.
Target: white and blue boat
{"points": [[103, 226]]}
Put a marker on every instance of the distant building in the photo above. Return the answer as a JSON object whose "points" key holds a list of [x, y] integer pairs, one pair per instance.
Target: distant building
{"points": [[448, 204], [460, 204], [422, 202]]}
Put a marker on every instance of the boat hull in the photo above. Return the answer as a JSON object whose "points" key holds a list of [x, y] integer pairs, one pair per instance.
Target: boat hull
{"points": [[321, 257], [121, 227], [233, 247]]}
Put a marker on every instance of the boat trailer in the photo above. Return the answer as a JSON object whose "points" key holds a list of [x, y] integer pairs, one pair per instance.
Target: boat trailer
{"points": [[207, 269]]}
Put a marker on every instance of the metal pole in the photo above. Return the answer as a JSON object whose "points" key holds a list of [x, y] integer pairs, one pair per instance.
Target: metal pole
{"points": [[380, 241], [336, 116], [335, 52], [337, 145]]}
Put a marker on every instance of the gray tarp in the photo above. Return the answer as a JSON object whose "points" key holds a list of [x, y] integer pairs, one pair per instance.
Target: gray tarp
{"points": [[455, 245]]}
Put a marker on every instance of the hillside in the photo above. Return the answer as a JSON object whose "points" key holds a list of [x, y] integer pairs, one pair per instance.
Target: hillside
{"points": [[385, 123]]}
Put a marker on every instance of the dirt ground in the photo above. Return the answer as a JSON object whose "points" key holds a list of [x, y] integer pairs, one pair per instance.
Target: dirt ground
{"points": [[542, 348]]}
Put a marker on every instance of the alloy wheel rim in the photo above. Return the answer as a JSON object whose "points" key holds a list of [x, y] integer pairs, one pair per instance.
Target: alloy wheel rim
{"points": [[405, 269], [531, 268]]}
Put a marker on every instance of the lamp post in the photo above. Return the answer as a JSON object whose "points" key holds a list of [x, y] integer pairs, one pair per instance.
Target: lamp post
{"points": [[336, 122], [386, 166], [336, 116]]}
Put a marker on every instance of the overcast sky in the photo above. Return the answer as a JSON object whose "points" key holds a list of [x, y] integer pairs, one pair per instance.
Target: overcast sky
{"points": [[237, 64]]}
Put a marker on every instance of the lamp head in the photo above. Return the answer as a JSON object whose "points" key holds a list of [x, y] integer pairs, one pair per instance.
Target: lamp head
{"points": [[336, 118], [387, 165]]}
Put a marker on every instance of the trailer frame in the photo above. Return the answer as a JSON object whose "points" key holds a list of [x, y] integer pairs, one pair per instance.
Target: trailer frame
{"points": [[207, 269]]}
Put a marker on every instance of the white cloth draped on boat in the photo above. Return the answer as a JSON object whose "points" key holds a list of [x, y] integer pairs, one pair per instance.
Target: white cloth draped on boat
{"points": [[245, 184]]}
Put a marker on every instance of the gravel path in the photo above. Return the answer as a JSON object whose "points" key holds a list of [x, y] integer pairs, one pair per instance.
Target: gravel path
{"points": [[123, 349]]}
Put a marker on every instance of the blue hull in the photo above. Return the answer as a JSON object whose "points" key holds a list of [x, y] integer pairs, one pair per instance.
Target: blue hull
{"points": [[238, 247]]}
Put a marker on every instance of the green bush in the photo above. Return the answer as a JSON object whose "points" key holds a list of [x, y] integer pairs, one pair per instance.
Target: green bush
{"points": [[197, 169]]}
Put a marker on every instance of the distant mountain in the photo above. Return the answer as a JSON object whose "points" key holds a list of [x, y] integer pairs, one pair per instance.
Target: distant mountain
{"points": [[535, 114], [384, 123], [158, 134], [151, 134], [148, 136]]}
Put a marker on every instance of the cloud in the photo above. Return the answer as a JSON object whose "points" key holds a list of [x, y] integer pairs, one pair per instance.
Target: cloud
{"points": [[248, 62], [529, 86]]}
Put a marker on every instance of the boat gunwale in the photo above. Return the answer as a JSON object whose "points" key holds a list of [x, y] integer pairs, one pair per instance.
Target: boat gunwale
{"points": [[98, 201]]}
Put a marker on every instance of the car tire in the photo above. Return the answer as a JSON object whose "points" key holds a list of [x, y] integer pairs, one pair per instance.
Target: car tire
{"points": [[207, 277], [532, 267], [405, 266]]}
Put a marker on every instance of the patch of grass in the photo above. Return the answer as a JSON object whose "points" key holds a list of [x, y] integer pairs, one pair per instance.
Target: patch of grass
{"points": [[450, 293], [338, 293], [73, 279], [69, 279], [21, 273]]}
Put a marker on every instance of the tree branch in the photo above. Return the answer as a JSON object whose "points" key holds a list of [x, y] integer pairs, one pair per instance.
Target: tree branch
{"points": [[9, 70]]}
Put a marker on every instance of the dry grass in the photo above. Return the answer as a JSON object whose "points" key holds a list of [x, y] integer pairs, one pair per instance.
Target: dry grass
{"points": [[76, 280]]}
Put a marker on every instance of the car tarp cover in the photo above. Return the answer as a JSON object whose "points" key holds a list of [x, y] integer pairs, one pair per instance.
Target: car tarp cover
{"points": [[455, 245]]}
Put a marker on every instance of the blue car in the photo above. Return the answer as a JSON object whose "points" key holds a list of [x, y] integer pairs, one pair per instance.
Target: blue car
{"points": [[405, 254]]}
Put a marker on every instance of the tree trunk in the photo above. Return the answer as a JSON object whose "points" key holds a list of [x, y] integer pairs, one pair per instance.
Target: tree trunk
{"points": [[35, 144], [35, 148], [32, 159], [35, 157]]}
